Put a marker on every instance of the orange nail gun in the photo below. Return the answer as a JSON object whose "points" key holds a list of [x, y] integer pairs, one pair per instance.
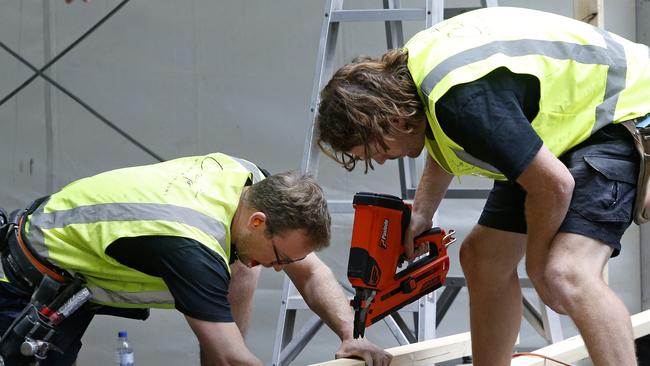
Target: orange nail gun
{"points": [[377, 253]]}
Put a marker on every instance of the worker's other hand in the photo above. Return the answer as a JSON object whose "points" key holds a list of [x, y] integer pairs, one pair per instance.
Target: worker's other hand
{"points": [[366, 350], [417, 226]]}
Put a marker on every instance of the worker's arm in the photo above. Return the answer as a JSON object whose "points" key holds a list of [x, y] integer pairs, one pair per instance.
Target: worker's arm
{"points": [[322, 292], [549, 187], [428, 195], [241, 292], [221, 344]]}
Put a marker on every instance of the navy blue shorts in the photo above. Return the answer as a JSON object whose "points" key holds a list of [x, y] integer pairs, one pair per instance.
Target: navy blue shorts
{"points": [[605, 168]]}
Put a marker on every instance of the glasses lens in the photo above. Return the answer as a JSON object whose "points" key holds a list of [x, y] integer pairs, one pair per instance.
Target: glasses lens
{"points": [[282, 261]]}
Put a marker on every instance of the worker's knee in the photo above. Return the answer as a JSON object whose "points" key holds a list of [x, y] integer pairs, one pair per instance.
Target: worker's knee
{"points": [[484, 260], [469, 259], [477, 267], [562, 287]]}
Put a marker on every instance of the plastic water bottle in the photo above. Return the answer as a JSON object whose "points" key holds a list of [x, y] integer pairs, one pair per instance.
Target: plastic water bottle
{"points": [[123, 350]]}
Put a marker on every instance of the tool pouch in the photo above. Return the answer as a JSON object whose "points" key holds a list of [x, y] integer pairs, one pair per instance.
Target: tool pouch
{"points": [[641, 135], [22, 343], [19, 345]]}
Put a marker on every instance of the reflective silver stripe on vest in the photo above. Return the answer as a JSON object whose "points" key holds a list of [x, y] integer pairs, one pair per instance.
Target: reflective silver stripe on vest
{"points": [[468, 158], [141, 298], [613, 55], [257, 175], [615, 83], [120, 212]]}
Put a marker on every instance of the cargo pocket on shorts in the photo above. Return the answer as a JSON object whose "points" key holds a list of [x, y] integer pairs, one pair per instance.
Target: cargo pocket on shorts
{"points": [[604, 189]]}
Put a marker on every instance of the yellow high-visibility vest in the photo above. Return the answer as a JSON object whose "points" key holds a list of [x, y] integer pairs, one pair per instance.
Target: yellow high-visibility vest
{"points": [[588, 77], [193, 197]]}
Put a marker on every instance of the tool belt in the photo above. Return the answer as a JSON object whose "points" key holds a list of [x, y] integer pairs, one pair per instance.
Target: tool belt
{"points": [[23, 265], [19, 258], [640, 130]]}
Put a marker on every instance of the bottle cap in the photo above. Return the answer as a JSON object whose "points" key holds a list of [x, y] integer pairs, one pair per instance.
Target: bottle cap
{"points": [[122, 333]]}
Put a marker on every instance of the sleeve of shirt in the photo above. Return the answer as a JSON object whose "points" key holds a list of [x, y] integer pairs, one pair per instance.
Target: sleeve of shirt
{"points": [[197, 278], [487, 119]]}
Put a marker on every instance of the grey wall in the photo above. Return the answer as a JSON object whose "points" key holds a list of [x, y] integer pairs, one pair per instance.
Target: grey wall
{"points": [[199, 76]]}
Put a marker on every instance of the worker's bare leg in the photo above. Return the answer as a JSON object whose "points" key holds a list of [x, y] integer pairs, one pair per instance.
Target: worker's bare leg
{"points": [[573, 277], [243, 281], [489, 259]]}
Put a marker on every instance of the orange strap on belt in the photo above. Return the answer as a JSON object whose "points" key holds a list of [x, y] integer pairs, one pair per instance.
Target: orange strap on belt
{"points": [[42, 268]]}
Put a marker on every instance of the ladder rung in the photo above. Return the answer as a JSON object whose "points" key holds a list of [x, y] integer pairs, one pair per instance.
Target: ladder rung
{"points": [[375, 15]]}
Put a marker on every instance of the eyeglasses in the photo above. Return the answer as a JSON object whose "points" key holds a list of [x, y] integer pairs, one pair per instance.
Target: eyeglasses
{"points": [[282, 261]]}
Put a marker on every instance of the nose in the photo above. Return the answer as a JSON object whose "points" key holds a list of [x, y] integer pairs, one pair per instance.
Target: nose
{"points": [[278, 267]]}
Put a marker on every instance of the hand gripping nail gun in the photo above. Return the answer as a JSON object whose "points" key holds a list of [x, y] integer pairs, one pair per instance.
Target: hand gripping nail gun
{"points": [[377, 253]]}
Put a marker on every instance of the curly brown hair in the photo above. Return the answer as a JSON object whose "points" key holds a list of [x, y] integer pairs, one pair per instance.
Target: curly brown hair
{"points": [[292, 201], [361, 100]]}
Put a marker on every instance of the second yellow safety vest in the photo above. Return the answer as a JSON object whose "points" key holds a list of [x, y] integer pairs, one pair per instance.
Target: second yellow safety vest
{"points": [[588, 77]]}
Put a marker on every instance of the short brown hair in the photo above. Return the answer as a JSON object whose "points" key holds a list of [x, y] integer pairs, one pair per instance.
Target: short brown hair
{"points": [[292, 201], [361, 100]]}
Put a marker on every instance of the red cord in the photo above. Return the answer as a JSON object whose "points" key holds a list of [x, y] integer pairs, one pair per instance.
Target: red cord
{"points": [[520, 354]]}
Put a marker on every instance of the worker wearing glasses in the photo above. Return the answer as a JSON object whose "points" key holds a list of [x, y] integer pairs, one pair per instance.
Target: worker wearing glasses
{"points": [[188, 234]]}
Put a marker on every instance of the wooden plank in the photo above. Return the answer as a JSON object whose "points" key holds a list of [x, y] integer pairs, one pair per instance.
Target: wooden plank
{"points": [[590, 11], [573, 349], [421, 353], [458, 345]]}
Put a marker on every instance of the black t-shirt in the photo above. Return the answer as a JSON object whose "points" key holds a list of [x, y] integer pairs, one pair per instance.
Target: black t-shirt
{"points": [[490, 118], [196, 276]]}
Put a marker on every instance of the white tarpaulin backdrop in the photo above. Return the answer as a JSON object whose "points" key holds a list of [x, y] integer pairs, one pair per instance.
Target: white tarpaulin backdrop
{"points": [[193, 77]]}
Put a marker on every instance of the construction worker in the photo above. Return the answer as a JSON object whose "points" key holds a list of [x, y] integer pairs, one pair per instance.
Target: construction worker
{"points": [[163, 236], [532, 100]]}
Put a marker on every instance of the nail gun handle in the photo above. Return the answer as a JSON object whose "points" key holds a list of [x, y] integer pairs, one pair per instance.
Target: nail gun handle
{"points": [[427, 237]]}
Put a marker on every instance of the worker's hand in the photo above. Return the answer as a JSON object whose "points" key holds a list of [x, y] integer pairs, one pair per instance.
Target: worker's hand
{"points": [[366, 350], [417, 226]]}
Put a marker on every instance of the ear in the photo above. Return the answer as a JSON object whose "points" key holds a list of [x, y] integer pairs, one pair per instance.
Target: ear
{"points": [[256, 219]]}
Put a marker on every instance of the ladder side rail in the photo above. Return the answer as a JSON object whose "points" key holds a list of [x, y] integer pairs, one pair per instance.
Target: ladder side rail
{"points": [[426, 325], [285, 324], [309, 164], [396, 330], [308, 331], [552, 325], [324, 64]]}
